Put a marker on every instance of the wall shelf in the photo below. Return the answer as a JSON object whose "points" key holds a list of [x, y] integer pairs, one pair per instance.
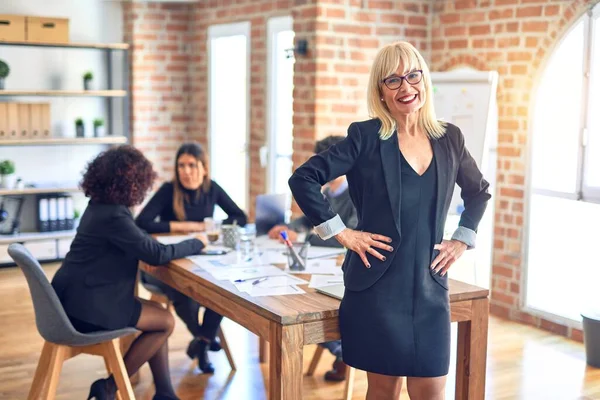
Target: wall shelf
{"points": [[10, 192], [98, 46], [31, 236], [65, 93], [54, 141]]}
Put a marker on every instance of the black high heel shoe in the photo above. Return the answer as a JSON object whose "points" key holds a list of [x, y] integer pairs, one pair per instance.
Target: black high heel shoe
{"points": [[103, 389], [199, 349], [215, 345]]}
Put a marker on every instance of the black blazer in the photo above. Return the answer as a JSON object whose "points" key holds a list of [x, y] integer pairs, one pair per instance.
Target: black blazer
{"points": [[372, 167], [96, 280]]}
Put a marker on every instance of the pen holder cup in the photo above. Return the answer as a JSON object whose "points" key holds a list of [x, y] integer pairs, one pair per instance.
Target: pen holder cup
{"points": [[230, 236], [302, 253]]}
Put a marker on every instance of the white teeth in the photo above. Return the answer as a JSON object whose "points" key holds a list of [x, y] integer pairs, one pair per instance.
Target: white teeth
{"points": [[407, 99]]}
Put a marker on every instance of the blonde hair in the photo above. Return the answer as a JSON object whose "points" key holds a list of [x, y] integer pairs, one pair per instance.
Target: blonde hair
{"points": [[386, 63]]}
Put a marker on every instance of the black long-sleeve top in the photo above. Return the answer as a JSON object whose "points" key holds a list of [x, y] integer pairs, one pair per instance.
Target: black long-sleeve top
{"points": [[161, 206], [96, 281]]}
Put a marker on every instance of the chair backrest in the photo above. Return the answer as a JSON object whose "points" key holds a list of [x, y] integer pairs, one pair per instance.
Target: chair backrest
{"points": [[50, 317]]}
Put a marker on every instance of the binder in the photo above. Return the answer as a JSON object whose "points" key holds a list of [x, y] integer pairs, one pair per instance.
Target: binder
{"points": [[13, 120], [43, 214], [24, 121], [3, 121], [61, 212], [70, 213], [53, 213]]}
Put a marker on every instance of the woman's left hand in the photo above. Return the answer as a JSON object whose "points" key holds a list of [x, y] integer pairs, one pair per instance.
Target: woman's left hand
{"points": [[450, 251]]}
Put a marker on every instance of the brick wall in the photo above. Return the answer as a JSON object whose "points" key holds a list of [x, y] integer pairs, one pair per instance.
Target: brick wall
{"points": [[160, 82], [513, 37]]}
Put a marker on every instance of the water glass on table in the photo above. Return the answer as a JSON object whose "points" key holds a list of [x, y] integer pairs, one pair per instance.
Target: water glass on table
{"points": [[213, 229]]}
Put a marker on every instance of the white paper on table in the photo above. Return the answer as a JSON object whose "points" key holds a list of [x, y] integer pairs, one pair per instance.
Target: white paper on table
{"points": [[325, 280], [173, 239], [275, 291], [272, 281], [233, 274], [320, 266], [315, 252]]}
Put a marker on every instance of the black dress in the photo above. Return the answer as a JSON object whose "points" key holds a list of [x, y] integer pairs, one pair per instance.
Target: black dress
{"points": [[400, 326]]}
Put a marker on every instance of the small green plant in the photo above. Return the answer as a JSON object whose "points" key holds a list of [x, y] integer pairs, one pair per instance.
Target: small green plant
{"points": [[76, 214], [88, 76], [98, 122], [7, 167], [4, 69], [79, 122]]}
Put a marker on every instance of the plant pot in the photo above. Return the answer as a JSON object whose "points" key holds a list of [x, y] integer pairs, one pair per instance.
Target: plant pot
{"points": [[80, 131], [98, 131], [8, 181], [1, 83], [87, 84]]}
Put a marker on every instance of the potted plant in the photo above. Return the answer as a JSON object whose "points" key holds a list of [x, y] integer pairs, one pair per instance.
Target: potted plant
{"points": [[7, 170], [76, 217], [98, 127], [79, 128], [87, 80], [4, 71]]}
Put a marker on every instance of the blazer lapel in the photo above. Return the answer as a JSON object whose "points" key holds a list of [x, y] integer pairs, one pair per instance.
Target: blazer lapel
{"points": [[390, 160], [442, 163]]}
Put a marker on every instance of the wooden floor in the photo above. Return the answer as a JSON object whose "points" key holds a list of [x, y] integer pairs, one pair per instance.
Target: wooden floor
{"points": [[523, 362]]}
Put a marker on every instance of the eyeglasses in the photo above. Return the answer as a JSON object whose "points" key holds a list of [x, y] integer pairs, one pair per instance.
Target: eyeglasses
{"points": [[394, 82]]}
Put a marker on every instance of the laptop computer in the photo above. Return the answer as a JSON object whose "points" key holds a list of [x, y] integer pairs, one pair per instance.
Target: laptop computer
{"points": [[335, 291], [270, 211]]}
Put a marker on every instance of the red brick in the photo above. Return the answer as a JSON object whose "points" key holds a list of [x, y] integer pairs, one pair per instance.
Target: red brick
{"points": [[449, 18], [417, 20], [534, 26], [365, 16], [459, 30], [380, 4], [458, 44], [554, 327], [532, 11], [479, 30], [392, 18], [506, 13], [550, 11]]}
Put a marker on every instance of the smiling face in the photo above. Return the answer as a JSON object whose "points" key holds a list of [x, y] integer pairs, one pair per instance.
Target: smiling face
{"points": [[190, 171], [403, 92]]}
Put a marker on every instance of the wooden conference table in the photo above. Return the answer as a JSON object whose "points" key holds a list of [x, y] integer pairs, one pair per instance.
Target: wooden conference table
{"points": [[290, 322]]}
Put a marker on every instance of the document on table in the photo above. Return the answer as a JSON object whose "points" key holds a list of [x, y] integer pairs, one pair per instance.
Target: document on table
{"points": [[232, 274], [325, 280], [268, 282], [320, 267]]}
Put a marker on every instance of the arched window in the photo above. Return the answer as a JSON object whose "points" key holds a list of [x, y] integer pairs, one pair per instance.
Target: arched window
{"points": [[563, 271]]}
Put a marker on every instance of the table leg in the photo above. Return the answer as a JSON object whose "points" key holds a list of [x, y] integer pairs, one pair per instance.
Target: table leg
{"points": [[263, 350], [285, 364], [472, 352]]}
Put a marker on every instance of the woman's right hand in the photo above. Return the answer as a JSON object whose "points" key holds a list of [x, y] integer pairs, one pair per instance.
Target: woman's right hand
{"points": [[364, 242]]}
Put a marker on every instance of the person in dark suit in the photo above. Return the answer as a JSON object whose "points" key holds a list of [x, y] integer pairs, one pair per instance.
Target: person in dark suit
{"points": [[401, 167], [96, 281], [181, 206]]}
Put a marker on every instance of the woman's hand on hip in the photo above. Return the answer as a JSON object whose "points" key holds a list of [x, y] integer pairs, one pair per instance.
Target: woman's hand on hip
{"points": [[364, 242], [450, 251]]}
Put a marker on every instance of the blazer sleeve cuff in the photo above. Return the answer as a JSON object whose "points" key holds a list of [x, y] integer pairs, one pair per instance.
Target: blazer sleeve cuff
{"points": [[465, 235], [330, 228]]}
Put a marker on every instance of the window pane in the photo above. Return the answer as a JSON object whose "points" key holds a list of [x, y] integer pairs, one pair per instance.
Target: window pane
{"points": [[557, 117], [562, 270], [592, 167], [228, 135], [285, 89]]}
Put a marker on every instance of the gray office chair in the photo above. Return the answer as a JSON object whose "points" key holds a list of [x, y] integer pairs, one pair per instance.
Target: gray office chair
{"points": [[62, 341]]}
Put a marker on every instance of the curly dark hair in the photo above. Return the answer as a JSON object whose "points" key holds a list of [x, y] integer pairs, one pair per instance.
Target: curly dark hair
{"points": [[121, 175]]}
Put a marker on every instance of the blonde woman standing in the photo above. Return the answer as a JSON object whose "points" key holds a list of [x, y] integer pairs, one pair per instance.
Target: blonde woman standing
{"points": [[401, 167]]}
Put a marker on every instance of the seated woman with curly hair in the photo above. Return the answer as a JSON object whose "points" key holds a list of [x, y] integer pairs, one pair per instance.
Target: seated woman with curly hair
{"points": [[96, 281]]}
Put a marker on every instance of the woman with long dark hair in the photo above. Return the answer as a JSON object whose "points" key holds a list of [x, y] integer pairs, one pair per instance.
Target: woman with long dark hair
{"points": [[96, 281], [181, 206]]}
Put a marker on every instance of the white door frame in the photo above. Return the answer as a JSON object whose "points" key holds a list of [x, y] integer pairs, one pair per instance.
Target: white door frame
{"points": [[214, 32], [274, 26]]}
